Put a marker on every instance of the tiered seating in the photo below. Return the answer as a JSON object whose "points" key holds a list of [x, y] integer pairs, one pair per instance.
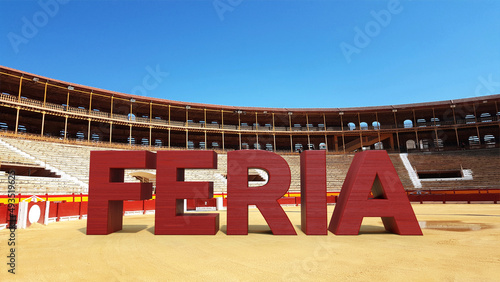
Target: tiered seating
{"points": [[402, 172], [11, 157], [40, 185], [294, 163], [217, 176], [30, 184], [72, 159], [337, 167], [483, 163], [336, 170]]}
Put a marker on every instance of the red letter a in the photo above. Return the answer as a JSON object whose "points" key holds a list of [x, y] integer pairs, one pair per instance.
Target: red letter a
{"points": [[373, 171]]}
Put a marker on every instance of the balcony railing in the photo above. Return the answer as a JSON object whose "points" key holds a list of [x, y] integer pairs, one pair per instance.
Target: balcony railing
{"points": [[129, 118]]}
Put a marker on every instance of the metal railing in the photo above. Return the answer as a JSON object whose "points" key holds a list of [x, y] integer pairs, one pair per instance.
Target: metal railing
{"points": [[131, 118]]}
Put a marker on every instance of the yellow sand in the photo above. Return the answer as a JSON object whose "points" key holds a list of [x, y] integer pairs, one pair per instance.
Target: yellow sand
{"points": [[62, 252]]}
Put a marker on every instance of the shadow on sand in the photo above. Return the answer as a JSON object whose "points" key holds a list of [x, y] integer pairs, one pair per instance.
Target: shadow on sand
{"points": [[252, 229], [129, 228]]}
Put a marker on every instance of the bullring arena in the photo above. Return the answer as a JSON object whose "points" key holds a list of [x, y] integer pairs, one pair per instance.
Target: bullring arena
{"points": [[446, 155]]}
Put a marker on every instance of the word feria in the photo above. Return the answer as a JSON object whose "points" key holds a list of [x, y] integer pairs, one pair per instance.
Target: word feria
{"points": [[370, 173]]}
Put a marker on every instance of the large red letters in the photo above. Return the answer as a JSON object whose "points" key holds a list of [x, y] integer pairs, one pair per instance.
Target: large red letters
{"points": [[172, 190], [371, 172], [313, 192], [239, 195], [107, 190]]}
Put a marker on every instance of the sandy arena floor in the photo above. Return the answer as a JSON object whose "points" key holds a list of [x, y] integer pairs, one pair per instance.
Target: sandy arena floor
{"points": [[460, 243]]}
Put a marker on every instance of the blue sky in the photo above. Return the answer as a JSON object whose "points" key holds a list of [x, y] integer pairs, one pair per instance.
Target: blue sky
{"points": [[310, 53]]}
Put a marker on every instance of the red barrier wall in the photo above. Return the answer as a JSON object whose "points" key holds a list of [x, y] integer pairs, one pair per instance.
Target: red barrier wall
{"points": [[190, 204], [64, 208], [68, 209], [53, 209], [206, 202], [331, 199], [132, 206], [297, 201], [3, 214], [149, 205], [16, 211], [83, 208], [287, 201]]}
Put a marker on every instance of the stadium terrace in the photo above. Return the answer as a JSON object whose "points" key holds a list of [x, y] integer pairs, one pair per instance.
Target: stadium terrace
{"points": [[443, 151], [50, 108]]}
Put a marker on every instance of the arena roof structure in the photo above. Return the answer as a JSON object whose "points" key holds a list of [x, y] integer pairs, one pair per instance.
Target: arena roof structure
{"points": [[33, 104]]}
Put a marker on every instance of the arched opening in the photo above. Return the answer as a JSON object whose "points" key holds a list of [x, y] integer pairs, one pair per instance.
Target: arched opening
{"points": [[411, 145], [408, 123], [363, 125], [376, 125], [351, 126]]}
